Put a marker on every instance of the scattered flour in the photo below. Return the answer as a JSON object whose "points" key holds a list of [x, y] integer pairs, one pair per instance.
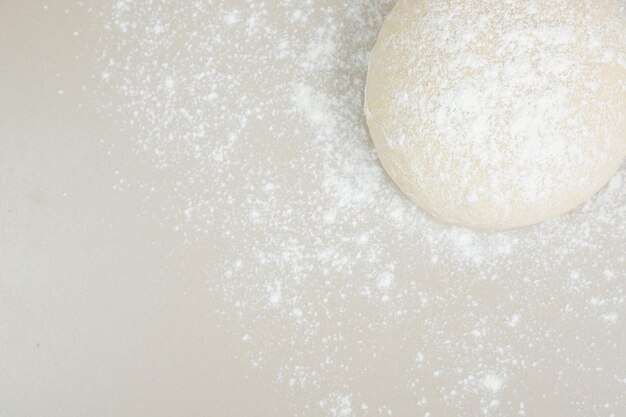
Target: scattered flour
{"points": [[493, 383], [250, 115]]}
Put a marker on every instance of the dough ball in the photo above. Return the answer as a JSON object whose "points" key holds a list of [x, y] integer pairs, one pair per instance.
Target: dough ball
{"points": [[497, 114]]}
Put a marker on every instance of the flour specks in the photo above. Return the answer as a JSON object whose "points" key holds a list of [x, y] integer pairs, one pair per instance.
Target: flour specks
{"points": [[250, 116]]}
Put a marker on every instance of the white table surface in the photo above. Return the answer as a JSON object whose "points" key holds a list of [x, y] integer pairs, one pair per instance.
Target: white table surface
{"points": [[193, 223]]}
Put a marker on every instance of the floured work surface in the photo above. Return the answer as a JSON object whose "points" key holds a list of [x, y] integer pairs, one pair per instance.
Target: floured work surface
{"points": [[247, 120]]}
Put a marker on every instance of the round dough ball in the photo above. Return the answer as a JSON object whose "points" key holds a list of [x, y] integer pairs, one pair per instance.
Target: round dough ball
{"points": [[499, 113]]}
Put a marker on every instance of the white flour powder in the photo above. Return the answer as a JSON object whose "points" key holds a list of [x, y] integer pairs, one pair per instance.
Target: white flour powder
{"points": [[252, 111]]}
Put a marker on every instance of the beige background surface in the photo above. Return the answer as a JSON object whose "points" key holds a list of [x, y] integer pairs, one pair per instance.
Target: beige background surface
{"points": [[98, 316], [115, 302]]}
